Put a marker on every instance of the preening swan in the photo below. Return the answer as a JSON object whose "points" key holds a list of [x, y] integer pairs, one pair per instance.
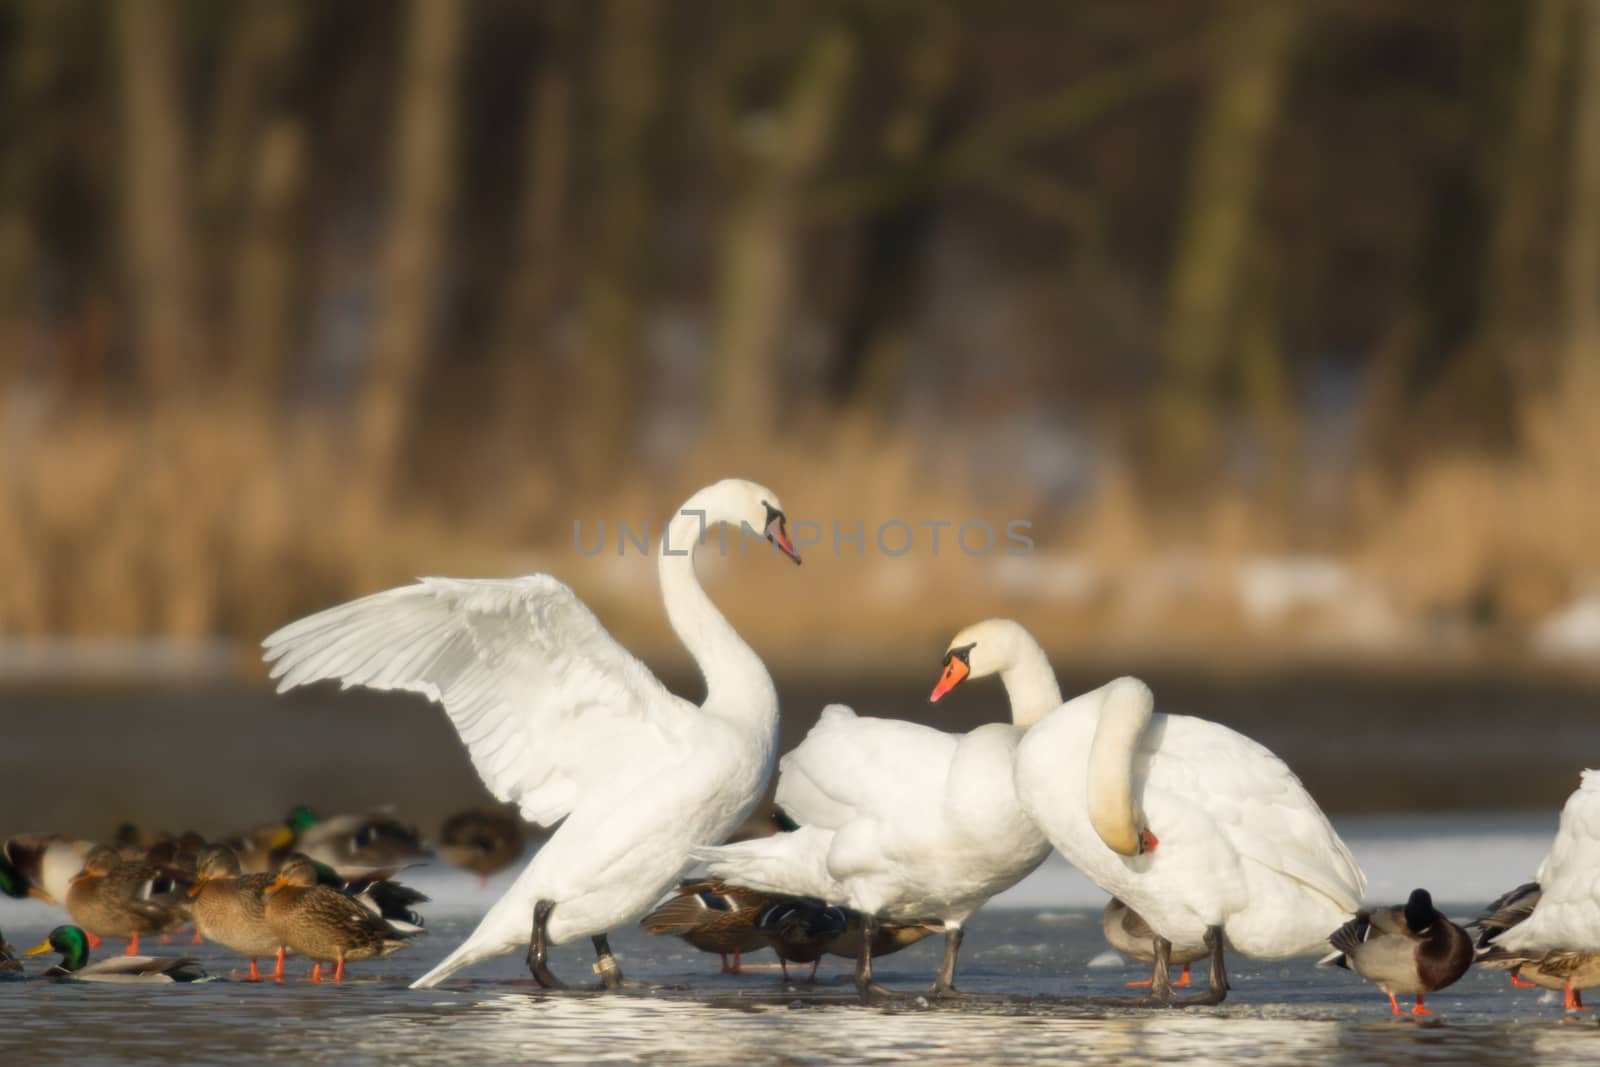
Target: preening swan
{"points": [[562, 720], [1201, 830], [899, 821], [1565, 915]]}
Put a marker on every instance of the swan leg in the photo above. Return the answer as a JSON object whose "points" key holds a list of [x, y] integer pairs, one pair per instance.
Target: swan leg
{"points": [[539, 948], [605, 963], [1161, 976], [812, 977], [1217, 982], [871, 992], [945, 984]]}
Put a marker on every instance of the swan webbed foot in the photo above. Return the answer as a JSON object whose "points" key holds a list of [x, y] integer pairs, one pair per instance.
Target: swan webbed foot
{"points": [[539, 948], [942, 990], [872, 993]]}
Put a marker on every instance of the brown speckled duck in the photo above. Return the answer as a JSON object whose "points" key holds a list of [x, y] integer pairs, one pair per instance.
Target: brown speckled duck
{"points": [[230, 908], [112, 897], [1130, 935], [483, 840], [323, 924], [1569, 971], [713, 917], [1410, 949]]}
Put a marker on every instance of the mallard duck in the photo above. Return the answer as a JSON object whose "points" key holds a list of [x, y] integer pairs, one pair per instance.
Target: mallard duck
{"points": [[801, 931], [230, 908], [47, 861], [1410, 949], [73, 944], [377, 891], [890, 936], [1570, 972], [15, 884], [322, 923], [111, 897], [260, 849], [10, 966], [713, 917], [1130, 935], [345, 842], [483, 840]]}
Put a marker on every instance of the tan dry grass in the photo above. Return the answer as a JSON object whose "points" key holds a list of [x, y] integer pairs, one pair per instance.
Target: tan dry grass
{"points": [[207, 522]]}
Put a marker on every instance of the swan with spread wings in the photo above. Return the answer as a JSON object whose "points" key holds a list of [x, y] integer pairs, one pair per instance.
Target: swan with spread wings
{"points": [[562, 720]]}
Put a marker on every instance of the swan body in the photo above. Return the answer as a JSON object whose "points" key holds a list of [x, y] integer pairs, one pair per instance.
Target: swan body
{"points": [[1566, 917], [899, 821], [560, 719], [1195, 827]]}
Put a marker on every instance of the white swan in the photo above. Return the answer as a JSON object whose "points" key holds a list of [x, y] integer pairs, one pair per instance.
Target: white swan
{"points": [[1567, 917], [565, 722], [899, 821], [1199, 829]]}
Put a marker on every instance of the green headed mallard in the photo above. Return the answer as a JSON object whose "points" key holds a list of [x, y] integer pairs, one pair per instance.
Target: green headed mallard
{"points": [[1409, 949], [73, 944], [347, 842]]}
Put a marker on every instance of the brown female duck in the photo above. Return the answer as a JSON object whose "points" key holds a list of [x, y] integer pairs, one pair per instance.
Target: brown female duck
{"points": [[323, 924], [1130, 935], [111, 897], [230, 908], [713, 917], [483, 840], [1569, 971]]}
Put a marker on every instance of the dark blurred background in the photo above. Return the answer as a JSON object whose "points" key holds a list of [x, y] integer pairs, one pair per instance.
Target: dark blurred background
{"points": [[1278, 321]]}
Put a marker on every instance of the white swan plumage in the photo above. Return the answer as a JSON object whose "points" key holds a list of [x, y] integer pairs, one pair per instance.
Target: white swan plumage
{"points": [[898, 821], [1567, 917], [1194, 826], [560, 719]]}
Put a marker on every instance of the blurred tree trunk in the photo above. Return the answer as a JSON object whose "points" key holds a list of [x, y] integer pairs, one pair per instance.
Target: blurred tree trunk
{"points": [[760, 240], [266, 273], [415, 242], [1227, 162], [31, 70], [1526, 182], [874, 334], [1580, 267], [605, 386], [154, 196], [254, 182], [526, 297]]}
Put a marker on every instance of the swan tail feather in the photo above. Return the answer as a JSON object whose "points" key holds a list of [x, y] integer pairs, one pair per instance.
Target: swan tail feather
{"points": [[793, 864]]}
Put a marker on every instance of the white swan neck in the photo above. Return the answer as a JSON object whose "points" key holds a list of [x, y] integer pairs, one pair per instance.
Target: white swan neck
{"points": [[1030, 683], [1125, 711], [738, 686]]}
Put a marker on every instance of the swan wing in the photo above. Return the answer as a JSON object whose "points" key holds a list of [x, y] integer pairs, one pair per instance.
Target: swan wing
{"points": [[849, 766], [546, 701], [1252, 798]]}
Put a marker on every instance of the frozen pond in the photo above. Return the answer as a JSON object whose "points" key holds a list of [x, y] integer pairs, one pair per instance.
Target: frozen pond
{"points": [[1031, 952]]}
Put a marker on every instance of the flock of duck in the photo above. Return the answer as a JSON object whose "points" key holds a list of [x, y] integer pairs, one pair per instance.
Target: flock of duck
{"points": [[889, 831]]}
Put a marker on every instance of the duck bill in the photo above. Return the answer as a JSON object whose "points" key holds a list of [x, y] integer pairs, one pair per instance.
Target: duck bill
{"points": [[39, 894], [955, 672], [79, 877], [41, 947], [274, 887], [780, 537], [200, 883], [283, 838]]}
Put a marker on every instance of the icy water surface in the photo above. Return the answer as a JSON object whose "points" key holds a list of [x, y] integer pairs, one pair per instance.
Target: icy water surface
{"points": [[1030, 954]]}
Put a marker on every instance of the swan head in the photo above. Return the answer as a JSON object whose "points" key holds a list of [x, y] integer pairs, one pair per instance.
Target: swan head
{"points": [[984, 648], [746, 504]]}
